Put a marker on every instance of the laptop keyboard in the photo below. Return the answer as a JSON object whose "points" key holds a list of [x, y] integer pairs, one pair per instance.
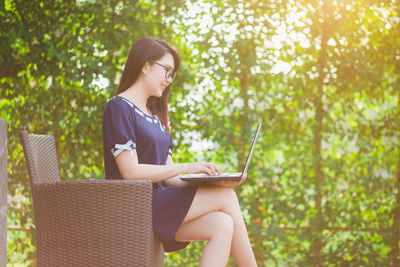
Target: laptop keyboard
{"points": [[234, 174]]}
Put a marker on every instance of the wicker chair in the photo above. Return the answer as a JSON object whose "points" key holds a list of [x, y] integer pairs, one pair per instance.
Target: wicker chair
{"points": [[88, 222]]}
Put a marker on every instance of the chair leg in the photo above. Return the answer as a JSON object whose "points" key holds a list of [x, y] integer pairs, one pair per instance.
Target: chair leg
{"points": [[158, 253]]}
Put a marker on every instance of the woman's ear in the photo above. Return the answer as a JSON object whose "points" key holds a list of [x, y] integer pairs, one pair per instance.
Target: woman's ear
{"points": [[146, 68]]}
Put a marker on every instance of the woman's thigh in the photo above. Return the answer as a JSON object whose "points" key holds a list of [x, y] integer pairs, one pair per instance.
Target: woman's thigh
{"points": [[211, 198]]}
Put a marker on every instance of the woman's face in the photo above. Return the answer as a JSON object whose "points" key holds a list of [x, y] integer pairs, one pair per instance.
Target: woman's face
{"points": [[158, 75]]}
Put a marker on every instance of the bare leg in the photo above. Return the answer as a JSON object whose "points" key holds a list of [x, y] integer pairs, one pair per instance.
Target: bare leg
{"points": [[218, 232], [210, 199]]}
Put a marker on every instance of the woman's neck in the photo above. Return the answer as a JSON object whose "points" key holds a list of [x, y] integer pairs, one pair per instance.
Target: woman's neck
{"points": [[138, 96]]}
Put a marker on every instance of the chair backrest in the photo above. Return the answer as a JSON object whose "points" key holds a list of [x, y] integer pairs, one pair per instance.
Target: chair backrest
{"points": [[41, 157]]}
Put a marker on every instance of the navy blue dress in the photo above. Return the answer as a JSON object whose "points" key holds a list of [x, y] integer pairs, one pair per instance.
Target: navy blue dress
{"points": [[126, 127]]}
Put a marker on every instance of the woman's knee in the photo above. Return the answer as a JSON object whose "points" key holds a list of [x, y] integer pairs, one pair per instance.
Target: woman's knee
{"points": [[229, 197], [221, 226]]}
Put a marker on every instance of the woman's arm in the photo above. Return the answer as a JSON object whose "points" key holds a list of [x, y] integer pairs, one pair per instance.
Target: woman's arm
{"points": [[130, 168], [174, 181]]}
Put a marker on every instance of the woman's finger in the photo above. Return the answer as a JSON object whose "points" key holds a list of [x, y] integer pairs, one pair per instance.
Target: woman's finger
{"points": [[210, 171], [214, 168]]}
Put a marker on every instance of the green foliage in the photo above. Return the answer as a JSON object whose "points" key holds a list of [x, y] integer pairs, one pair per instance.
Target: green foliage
{"points": [[322, 76]]}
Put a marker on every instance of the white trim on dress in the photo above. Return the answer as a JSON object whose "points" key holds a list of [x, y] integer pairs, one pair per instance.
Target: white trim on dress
{"points": [[118, 148]]}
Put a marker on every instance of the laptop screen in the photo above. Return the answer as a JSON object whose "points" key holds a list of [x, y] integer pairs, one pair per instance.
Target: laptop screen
{"points": [[246, 166]]}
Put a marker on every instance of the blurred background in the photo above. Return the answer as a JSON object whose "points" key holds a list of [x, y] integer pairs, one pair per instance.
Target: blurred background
{"points": [[322, 76]]}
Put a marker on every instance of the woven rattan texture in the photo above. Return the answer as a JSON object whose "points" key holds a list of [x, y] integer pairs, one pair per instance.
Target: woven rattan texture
{"points": [[41, 156], [45, 158], [79, 225], [87, 223]]}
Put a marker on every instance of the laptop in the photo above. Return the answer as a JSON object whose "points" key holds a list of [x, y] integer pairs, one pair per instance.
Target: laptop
{"points": [[236, 176]]}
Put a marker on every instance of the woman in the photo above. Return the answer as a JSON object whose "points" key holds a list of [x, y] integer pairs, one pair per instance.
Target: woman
{"points": [[138, 145]]}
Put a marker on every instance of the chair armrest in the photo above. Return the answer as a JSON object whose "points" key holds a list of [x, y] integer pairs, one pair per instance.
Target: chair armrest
{"points": [[94, 222]]}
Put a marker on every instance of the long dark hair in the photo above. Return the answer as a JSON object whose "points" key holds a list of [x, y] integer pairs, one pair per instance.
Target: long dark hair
{"points": [[144, 50]]}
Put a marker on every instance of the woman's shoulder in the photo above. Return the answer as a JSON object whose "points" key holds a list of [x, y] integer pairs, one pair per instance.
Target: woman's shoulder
{"points": [[118, 104], [118, 115], [117, 109], [119, 101]]}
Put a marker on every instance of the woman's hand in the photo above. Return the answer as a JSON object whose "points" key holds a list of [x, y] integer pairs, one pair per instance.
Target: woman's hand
{"points": [[203, 167], [227, 183]]}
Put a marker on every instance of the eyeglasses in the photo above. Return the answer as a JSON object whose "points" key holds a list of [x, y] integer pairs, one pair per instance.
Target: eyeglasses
{"points": [[168, 74]]}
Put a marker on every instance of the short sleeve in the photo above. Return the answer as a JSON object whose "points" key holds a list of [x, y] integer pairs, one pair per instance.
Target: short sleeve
{"points": [[118, 127], [171, 145]]}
